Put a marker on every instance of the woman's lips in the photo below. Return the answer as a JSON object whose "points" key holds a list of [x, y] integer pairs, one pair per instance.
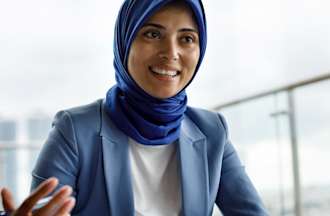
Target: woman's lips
{"points": [[164, 72], [164, 75]]}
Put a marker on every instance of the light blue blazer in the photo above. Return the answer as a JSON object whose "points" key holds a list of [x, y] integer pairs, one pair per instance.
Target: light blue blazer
{"points": [[88, 152]]}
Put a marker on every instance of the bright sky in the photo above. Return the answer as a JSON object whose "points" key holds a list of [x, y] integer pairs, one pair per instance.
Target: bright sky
{"points": [[57, 54]]}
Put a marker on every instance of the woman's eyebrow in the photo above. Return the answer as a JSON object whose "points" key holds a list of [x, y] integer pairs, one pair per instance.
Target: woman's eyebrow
{"points": [[154, 25], [188, 30], [163, 27]]}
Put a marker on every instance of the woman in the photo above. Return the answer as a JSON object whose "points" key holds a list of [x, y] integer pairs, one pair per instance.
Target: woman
{"points": [[142, 150]]}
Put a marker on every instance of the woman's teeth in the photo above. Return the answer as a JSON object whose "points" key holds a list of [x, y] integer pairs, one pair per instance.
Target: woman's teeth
{"points": [[164, 72]]}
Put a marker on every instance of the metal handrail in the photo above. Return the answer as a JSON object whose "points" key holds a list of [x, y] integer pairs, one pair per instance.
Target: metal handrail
{"points": [[15, 146], [274, 91]]}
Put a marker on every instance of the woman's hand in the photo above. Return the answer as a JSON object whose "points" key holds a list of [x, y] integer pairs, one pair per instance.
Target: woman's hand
{"points": [[61, 204]]}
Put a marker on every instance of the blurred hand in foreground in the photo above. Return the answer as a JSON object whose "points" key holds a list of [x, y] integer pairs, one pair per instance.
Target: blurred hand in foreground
{"points": [[60, 205]]}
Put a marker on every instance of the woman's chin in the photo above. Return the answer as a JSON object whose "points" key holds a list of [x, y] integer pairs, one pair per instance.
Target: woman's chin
{"points": [[162, 94]]}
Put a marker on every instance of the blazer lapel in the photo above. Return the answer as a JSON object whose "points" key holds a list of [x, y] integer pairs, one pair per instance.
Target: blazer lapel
{"points": [[194, 170], [116, 168]]}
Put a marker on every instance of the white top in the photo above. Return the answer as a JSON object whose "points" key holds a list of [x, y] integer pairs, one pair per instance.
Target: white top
{"points": [[155, 179]]}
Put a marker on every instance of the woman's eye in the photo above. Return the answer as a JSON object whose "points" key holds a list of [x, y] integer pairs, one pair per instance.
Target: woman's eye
{"points": [[188, 39], [152, 34]]}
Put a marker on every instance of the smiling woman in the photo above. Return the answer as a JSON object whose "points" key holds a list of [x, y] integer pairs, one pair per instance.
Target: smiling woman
{"points": [[142, 150]]}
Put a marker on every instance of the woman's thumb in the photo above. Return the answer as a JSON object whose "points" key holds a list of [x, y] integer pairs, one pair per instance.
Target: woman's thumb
{"points": [[7, 200]]}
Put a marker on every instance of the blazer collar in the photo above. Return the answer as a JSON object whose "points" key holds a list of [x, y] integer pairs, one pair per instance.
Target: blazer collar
{"points": [[192, 159], [192, 162], [116, 168]]}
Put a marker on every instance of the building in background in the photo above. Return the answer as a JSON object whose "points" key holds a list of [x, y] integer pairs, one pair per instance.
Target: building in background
{"points": [[38, 126], [8, 154], [19, 150], [8, 130]]}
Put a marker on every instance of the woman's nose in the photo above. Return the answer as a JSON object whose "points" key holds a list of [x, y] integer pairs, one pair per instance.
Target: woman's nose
{"points": [[169, 51]]}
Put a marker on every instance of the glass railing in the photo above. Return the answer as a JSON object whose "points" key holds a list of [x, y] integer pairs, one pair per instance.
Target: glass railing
{"points": [[283, 139]]}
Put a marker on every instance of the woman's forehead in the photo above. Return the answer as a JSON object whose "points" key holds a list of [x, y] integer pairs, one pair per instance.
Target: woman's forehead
{"points": [[178, 9]]}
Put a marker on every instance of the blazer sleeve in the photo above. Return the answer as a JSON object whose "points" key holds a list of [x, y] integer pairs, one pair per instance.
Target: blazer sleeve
{"points": [[59, 155], [236, 194]]}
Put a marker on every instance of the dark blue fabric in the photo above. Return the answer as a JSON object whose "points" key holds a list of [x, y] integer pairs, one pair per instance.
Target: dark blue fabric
{"points": [[146, 119]]}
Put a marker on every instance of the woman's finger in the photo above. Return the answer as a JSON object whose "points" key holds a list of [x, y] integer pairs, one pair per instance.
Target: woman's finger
{"points": [[66, 208], [56, 202], [42, 190], [7, 200]]}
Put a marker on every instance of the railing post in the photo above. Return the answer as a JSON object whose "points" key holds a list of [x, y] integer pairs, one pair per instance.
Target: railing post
{"points": [[295, 155]]}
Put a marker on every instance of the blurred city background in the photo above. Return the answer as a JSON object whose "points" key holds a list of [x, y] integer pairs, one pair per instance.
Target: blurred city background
{"points": [[266, 69]]}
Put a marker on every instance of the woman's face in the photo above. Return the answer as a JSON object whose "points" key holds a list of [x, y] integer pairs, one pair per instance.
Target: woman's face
{"points": [[165, 52]]}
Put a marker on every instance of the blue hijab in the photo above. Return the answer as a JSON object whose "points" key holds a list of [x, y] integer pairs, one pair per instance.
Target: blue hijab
{"points": [[146, 119]]}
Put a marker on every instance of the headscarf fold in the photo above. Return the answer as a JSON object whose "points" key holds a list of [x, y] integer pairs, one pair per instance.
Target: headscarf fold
{"points": [[146, 119]]}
